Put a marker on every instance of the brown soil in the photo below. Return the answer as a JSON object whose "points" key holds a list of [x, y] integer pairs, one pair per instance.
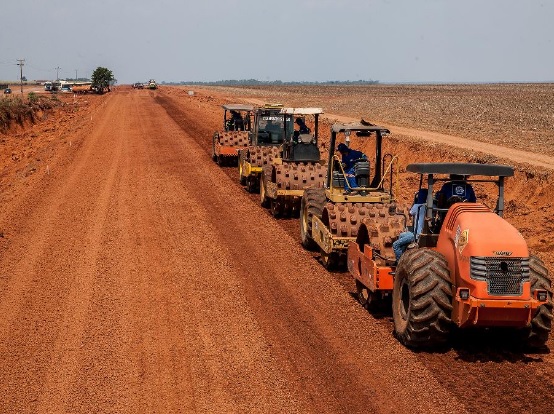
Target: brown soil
{"points": [[138, 276]]}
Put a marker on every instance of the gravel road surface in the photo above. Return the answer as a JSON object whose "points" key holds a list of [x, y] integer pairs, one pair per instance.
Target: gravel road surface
{"points": [[138, 276]]}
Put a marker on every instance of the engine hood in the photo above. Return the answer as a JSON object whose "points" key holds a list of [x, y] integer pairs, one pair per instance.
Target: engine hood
{"points": [[480, 232]]}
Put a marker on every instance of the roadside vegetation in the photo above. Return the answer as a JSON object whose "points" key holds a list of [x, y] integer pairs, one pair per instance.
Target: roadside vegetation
{"points": [[102, 79], [20, 110]]}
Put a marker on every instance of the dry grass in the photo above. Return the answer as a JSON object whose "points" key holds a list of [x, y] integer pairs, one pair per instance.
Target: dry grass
{"points": [[19, 110]]}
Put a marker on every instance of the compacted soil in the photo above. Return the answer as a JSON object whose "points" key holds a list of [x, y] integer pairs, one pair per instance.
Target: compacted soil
{"points": [[138, 276]]}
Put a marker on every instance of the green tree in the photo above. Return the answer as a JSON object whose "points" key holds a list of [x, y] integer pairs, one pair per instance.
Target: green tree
{"points": [[101, 79]]}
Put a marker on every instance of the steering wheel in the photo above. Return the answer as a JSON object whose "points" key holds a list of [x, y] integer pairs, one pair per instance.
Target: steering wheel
{"points": [[455, 199]]}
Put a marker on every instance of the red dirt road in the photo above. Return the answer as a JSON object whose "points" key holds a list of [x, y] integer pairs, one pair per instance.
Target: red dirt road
{"points": [[137, 276]]}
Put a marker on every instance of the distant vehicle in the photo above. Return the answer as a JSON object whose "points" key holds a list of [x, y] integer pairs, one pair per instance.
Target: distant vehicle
{"points": [[138, 85], [61, 85], [234, 135], [56, 86], [81, 87], [265, 144], [7, 91], [152, 84], [47, 86]]}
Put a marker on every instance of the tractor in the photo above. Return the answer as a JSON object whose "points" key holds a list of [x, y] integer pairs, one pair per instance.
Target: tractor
{"points": [[265, 141], [331, 215], [233, 136], [282, 182], [467, 268]]}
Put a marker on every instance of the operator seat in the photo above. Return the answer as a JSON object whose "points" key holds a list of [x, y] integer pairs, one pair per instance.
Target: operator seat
{"points": [[361, 172], [305, 149]]}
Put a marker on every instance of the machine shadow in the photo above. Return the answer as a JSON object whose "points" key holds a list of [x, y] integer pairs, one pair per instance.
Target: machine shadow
{"points": [[493, 345], [473, 345]]}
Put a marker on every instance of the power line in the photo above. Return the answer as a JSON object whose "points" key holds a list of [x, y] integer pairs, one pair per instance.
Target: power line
{"points": [[37, 68], [20, 64]]}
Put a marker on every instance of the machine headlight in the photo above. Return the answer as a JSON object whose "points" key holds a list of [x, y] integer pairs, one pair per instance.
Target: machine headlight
{"points": [[542, 295], [463, 293]]}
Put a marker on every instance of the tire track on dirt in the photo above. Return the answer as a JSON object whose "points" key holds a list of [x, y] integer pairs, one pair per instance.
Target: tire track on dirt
{"points": [[44, 263], [240, 353], [309, 337], [66, 350], [134, 351], [27, 240]]}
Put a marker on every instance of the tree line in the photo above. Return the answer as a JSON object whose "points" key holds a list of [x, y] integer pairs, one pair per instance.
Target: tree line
{"points": [[255, 82]]}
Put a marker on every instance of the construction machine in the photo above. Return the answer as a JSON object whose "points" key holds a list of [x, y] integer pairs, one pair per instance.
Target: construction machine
{"points": [[331, 215], [265, 139], [468, 268], [299, 165], [234, 135]]}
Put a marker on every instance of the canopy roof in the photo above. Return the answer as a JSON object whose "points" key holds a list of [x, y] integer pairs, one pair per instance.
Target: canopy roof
{"points": [[358, 126], [462, 169], [302, 111], [238, 107]]}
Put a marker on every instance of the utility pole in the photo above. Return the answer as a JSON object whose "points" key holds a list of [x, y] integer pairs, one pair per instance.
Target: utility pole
{"points": [[20, 64], [75, 75], [57, 73]]}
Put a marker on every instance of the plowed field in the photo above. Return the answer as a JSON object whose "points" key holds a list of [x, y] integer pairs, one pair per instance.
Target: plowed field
{"points": [[138, 276]]}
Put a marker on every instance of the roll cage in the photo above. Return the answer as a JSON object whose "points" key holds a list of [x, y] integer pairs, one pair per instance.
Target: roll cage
{"points": [[361, 130], [440, 172]]}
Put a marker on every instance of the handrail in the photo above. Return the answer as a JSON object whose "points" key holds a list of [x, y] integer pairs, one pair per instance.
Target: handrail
{"points": [[336, 157], [386, 170]]}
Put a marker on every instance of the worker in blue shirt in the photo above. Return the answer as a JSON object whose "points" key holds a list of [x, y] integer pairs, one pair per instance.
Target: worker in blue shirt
{"points": [[303, 128], [456, 187], [349, 158], [418, 213]]}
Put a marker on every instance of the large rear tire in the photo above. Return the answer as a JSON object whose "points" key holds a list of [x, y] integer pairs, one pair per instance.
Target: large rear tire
{"points": [[541, 324], [330, 261], [311, 205], [252, 184], [264, 201], [276, 208], [422, 299], [242, 178], [214, 138]]}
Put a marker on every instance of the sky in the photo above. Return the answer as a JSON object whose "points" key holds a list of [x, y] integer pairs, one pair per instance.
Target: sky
{"points": [[391, 41]]}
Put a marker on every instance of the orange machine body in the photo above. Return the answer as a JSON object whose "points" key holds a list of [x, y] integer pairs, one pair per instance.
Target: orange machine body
{"points": [[362, 266], [489, 267]]}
